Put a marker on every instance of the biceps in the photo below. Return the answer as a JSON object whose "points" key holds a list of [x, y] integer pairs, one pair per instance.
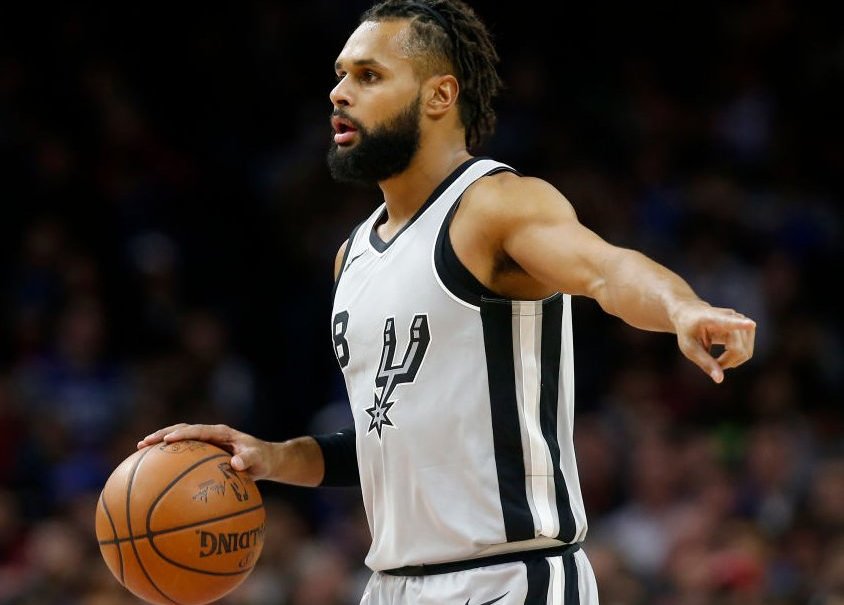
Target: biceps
{"points": [[563, 255]]}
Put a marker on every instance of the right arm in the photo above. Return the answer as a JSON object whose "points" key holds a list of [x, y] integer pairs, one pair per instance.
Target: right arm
{"points": [[297, 461]]}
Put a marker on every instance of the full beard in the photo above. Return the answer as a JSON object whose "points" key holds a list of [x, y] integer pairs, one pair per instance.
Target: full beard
{"points": [[380, 153]]}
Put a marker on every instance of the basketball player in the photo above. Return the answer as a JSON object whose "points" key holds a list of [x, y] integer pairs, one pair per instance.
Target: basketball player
{"points": [[452, 325]]}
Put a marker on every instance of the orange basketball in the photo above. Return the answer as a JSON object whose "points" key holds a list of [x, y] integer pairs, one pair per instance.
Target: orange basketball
{"points": [[177, 525]]}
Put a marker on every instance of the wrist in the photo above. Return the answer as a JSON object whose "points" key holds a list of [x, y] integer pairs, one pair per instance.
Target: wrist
{"points": [[678, 310]]}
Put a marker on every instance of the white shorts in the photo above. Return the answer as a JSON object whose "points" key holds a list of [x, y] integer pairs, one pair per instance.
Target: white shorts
{"points": [[561, 580]]}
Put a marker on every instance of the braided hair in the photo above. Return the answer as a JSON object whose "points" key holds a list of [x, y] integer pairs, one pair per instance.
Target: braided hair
{"points": [[448, 36]]}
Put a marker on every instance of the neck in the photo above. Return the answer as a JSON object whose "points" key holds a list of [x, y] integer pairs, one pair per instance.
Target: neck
{"points": [[405, 193]]}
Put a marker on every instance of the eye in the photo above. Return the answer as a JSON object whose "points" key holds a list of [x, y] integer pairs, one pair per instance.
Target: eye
{"points": [[340, 75], [368, 76]]}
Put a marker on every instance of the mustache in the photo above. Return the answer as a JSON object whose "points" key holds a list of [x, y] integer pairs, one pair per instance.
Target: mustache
{"points": [[339, 113]]}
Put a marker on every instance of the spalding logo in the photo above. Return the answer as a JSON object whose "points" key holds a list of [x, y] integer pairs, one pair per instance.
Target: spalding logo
{"points": [[213, 543]]}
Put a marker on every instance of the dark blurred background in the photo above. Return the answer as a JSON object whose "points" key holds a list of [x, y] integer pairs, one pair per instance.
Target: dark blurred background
{"points": [[168, 231]]}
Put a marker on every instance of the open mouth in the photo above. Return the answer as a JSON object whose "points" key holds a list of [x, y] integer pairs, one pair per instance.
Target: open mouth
{"points": [[344, 130]]}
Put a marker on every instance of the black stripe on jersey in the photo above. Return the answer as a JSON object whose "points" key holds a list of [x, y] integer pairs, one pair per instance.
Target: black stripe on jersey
{"points": [[552, 330], [497, 320], [572, 590], [380, 244], [348, 249], [538, 581], [453, 273]]}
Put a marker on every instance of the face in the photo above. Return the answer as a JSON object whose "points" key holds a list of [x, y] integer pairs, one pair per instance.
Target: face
{"points": [[377, 106], [384, 151]]}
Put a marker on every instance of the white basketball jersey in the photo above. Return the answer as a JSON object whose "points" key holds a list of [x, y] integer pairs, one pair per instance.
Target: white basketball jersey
{"points": [[463, 404]]}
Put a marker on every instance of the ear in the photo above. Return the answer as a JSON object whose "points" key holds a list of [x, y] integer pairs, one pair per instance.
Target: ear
{"points": [[440, 95]]}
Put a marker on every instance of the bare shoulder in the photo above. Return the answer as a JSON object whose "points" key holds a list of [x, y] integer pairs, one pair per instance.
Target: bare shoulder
{"points": [[499, 218], [507, 197], [338, 260]]}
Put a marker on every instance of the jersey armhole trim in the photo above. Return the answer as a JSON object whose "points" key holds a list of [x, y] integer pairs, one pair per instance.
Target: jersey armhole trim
{"points": [[346, 252], [452, 273]]}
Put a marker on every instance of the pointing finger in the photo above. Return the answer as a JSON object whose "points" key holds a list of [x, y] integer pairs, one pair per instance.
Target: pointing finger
{"points": [[726, 323]]}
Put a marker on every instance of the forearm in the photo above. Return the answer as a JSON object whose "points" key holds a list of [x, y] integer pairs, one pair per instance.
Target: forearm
{"points": [[298, 462], [642, 292], [328, 460]]}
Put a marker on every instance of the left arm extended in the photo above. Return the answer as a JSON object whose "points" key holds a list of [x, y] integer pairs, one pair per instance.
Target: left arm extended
{"points": [[538, 228]]}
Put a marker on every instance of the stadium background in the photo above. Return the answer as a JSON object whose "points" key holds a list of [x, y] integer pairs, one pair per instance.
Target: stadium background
{"points": [[166, 244]]}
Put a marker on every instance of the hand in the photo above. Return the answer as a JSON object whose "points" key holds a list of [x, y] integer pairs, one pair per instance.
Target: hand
{"points": [[250, 454], [699, 326]]}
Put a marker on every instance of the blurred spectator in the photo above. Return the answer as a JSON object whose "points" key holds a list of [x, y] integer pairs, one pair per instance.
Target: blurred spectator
{"points": [[830, 588], [210, 374], [826, 496], [774, 476], [643, 527], [155, 258], [76, 384]]}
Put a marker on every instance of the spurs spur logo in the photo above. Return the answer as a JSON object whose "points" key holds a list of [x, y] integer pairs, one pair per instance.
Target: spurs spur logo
{"points": [[391, 375]]}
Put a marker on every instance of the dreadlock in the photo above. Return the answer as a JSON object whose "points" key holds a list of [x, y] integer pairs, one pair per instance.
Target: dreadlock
{"points": [[448, 35]]}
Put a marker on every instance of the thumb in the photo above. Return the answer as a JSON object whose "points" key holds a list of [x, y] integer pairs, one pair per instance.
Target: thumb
{"points": [[248, 458], [251, 455], [238, 463]]}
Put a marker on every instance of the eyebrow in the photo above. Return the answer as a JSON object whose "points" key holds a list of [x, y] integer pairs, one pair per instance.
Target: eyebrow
{"points": [[359, 63]]}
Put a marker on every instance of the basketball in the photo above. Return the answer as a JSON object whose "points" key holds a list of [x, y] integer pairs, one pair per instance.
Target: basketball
{"points": [[176, 524]]}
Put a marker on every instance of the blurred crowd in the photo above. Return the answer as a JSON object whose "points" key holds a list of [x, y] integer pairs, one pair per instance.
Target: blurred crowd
{"points": [[166, 253]]}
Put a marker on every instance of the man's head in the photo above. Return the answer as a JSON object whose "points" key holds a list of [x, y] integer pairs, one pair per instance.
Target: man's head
{"points": [[448, 38], [408, 61]]}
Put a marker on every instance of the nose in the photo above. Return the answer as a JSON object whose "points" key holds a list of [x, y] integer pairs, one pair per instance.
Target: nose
{"points": [[339, 95]]}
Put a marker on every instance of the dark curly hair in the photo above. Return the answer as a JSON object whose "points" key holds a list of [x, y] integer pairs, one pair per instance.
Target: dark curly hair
{"points": [[449, 36]]}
